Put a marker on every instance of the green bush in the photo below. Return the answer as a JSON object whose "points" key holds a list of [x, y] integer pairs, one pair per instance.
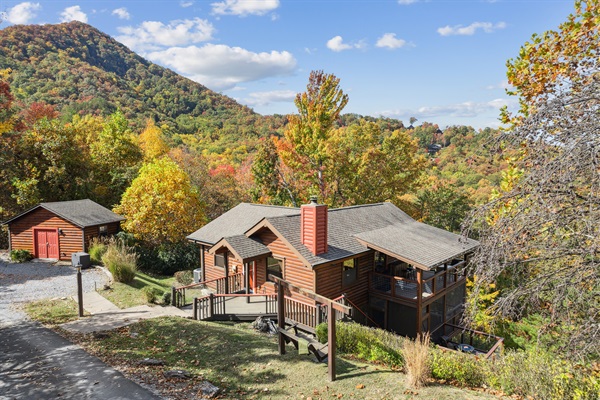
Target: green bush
{"points": [[166, 297], [96, 250], [539, 374], [167, 258], [370, 344], [463, 369], [184, 277], [120, 260], [151, 294], [21, 256]]}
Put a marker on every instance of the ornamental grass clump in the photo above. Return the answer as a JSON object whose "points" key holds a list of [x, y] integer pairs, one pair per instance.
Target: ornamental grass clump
{"points": [[97, 249], [120, 260], [416, 361]]}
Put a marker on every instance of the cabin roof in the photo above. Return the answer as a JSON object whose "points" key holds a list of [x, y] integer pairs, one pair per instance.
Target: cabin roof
{"points": [[237, 221], [351, 231], [82, 213], [244, 247]]}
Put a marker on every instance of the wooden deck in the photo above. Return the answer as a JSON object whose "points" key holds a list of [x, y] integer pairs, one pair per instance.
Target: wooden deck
{"points": [[234, 307]]}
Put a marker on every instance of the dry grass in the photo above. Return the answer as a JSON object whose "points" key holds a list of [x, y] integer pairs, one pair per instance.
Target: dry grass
{"points": [[416, 361]]}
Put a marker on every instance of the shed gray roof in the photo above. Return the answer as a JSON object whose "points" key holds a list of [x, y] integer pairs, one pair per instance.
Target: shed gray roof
{"points": [[245, 247], [82, 213], [237, 221]]}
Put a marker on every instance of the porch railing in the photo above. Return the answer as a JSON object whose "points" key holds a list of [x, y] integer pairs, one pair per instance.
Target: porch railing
{"points": [[233, 283], [215, 305], [407, 289]]}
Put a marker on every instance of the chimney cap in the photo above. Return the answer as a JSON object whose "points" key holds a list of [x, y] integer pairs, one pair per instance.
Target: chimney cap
{"points": [[314, 199]]}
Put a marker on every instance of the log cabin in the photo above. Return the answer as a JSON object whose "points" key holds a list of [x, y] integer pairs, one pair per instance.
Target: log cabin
{"points": [[397, 273], [58, 229]]}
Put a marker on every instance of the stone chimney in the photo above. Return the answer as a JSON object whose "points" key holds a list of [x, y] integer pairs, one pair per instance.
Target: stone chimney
{"points": [[313, 226]]}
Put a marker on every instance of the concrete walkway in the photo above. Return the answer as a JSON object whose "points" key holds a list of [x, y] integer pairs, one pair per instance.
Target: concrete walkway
{"points": [[106, 316]]}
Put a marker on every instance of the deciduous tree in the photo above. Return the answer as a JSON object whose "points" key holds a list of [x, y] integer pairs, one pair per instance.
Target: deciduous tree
{"points": [[161, 205]]}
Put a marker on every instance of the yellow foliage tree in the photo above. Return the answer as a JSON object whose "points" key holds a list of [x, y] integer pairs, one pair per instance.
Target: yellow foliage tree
{"points": [[161, 204], [152, 142]]}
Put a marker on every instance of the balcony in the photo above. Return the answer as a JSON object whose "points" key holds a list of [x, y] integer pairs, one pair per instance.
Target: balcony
{"points": [[407, 287]]}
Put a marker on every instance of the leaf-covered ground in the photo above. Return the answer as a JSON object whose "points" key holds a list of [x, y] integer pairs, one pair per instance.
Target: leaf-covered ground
{"points": [[245, 365]]}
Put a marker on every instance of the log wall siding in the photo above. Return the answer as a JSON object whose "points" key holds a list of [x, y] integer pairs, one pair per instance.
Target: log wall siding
{"points": [[294, 270], [91, 232], [214, 272], [329, 281], [21, 232]]}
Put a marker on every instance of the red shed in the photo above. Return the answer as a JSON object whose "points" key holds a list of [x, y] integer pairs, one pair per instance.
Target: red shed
{"points": [[56, 230]]}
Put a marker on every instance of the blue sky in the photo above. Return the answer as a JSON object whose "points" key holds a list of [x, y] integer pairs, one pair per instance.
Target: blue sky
{"points": [[439, 61]]}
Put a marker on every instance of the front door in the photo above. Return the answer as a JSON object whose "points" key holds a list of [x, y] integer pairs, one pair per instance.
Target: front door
{"points": [[46, 243]]}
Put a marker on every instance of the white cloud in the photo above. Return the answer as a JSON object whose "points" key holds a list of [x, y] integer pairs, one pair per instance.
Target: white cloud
{"points": [[487, 27], [186, 4], [244, 7], [22, 13], [467, 109], [122, 13], [337, 44], [222, 67], [73, 13], [406, 2], [266, 98], [151, 35], [390, 41]]}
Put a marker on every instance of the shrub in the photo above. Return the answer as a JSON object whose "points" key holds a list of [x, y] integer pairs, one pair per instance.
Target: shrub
{"points": [[416, 354], [166, 297], [370, 344], [464, 369], [151, 293], [167, 258], [184, 277], [97, 250], [120, 260], [21, 256]]}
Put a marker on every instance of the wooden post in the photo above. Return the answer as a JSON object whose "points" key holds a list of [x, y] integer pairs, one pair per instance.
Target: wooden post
{"points": [[331, 342], [202, 264], [247, 281], [173, 296], [226, 291], [79, 290], [419, 298], [211, 304], [281, 316], [195, 308]]}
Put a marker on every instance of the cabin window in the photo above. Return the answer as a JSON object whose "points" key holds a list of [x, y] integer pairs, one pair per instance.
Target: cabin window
{"points": [[220, 260], [349, 272], [274, 267], [103, 230]]}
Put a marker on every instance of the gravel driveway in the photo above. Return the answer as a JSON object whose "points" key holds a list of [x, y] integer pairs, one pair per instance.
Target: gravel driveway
{"points": [[21, 283]]}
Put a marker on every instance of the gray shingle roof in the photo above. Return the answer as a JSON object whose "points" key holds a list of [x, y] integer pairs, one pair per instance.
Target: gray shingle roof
{"points": [[343, 224], [237, 221], [82, 213], [247, 247], [419, 243]]}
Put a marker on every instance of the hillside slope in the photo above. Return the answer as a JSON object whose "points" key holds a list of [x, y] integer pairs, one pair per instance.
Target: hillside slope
{"points": [[79, 69]]}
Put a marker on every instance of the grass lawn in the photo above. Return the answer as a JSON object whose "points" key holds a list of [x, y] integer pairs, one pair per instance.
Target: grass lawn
{"points": [[53, 312], [246, 365], [125, 295]]}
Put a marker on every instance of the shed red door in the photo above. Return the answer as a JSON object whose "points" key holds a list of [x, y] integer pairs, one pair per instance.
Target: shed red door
{"points": [[46, 243]]}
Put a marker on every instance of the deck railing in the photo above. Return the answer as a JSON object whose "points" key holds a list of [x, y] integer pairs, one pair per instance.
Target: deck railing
{"points": [[233, 283], [483, 344], [214, 305], [407, 288]]}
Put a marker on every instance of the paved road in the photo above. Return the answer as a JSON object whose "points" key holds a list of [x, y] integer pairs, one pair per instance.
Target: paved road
{"points": [[35, 362]]}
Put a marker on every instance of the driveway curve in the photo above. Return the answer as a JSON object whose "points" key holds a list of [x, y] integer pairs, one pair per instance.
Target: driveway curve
{"points": [[37, 363]]}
